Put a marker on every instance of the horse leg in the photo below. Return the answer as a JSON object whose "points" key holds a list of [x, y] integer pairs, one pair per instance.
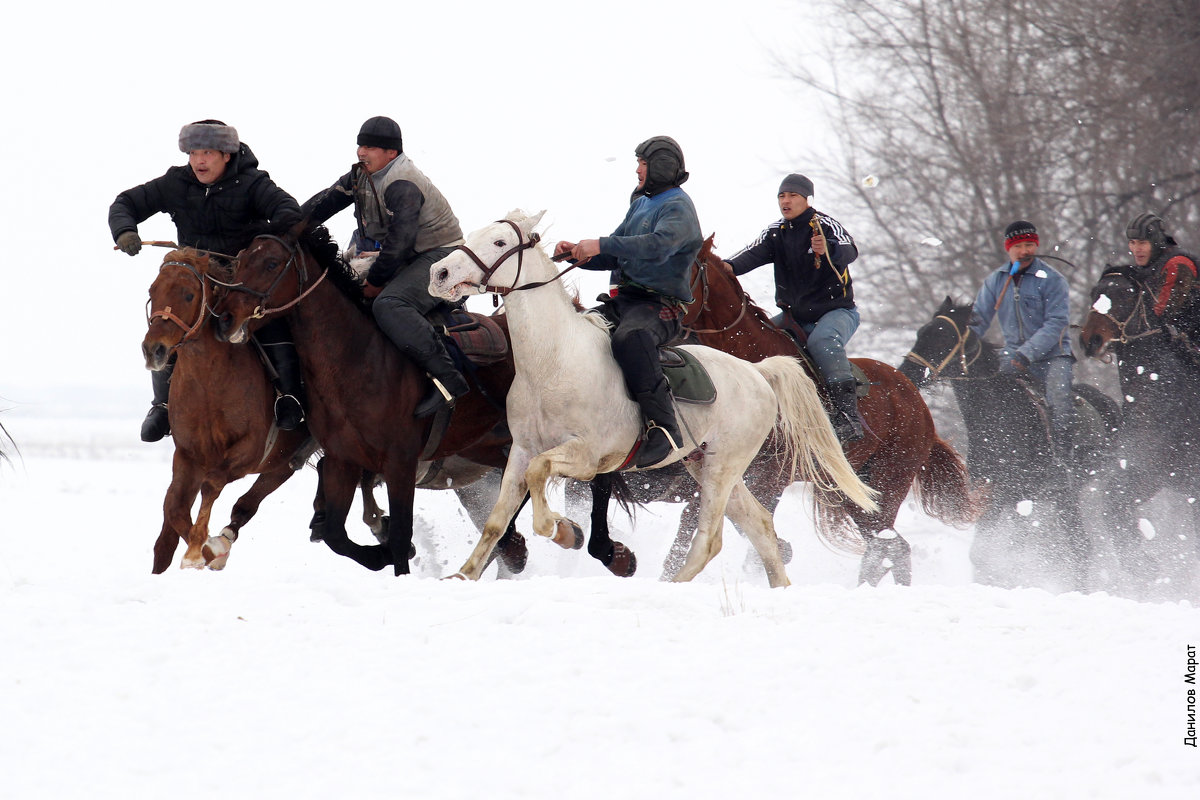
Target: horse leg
{"points": [[339, 481], [373, 516], [210, 490], [689, 518], [216, 549], [568, 459], [715, 489], [746, 512], [510, 548], [618, 558], [512, 495], [886, 551], [177, 510], [402, 490]]}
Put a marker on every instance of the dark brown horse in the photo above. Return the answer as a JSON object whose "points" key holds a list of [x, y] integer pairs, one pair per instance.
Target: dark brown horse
{"points": [[900, 451], [362, 391], [221, 415]]}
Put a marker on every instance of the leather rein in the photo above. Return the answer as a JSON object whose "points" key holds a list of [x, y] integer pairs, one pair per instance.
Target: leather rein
{"points": [[959, 349], [168, 314], [519, 251], [702, 279], [1139, 308], [296, 259]]}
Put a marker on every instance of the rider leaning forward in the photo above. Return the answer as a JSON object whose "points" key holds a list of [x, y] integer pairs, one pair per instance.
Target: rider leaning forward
{"points": [[219, 202], [650, 255]]}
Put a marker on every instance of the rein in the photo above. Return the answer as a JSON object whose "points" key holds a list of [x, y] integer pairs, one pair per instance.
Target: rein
{"points": [[702, 277], [301, 266], [166, 313], [1138, 307], [960, 348], [519, 251]]}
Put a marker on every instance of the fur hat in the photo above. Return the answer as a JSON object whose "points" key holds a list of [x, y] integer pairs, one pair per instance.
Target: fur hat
{"points": [[796, 183], [1019, 231], [209, 134], [381, 132]]}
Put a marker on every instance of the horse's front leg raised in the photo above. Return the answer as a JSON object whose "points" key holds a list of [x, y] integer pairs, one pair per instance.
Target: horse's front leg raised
{"points": [[512, 495], [569, 459], [216, 548]]}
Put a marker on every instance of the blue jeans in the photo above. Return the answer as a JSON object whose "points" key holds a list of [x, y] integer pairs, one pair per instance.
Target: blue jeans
{"points": [[1055, 376], [827, 339]]}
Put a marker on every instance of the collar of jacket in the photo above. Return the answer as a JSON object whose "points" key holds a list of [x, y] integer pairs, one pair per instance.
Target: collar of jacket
{"points": [[801, 221]]}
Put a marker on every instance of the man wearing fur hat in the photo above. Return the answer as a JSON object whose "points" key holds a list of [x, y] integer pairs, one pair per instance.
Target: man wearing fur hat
{"points": [[407, 225], [649, 255], [812, 254], [1168, 270], [1029, 299], [219, 202]]}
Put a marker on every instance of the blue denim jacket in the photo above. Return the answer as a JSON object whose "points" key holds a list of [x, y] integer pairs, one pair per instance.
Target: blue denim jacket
{"points": [[655, 244], [1040, 329]]}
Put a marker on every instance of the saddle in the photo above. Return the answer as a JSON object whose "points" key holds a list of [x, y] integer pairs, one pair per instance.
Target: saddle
{"points": [[478, 336], [862, 385], [689, 381]]}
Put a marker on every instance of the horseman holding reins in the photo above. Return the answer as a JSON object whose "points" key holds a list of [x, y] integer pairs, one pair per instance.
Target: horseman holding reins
{"points": [[219, 202], [1029, 299], [1169, 271]]}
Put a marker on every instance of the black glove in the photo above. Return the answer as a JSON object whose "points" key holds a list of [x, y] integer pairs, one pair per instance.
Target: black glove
{"points": [[129, 242], [1020, 363]]}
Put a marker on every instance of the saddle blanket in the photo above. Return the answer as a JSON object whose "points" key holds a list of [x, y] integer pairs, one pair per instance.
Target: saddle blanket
{"points": [[687, 378]]}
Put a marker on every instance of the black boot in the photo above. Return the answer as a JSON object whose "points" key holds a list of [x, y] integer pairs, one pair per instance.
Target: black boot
{"points": [[662, 435], [157, 423], [289, 405], [444, 389], [843, 397]]}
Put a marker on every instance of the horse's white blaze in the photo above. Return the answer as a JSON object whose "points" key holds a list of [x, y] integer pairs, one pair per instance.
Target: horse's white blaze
{"points": [[566, 421]]}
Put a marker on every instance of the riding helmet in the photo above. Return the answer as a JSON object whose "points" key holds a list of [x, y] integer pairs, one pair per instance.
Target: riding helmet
{"points": [[1149, 227], [664, 164]]}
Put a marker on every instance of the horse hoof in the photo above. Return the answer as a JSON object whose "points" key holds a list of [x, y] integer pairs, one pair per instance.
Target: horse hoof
{"points": [[568, 535], [623, 563], [380, 530], [515, 555], [216, 552], [192, 562], [458, 576]]}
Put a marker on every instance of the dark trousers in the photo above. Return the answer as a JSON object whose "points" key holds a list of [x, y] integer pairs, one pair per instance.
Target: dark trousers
{"points": [[642, 325]]}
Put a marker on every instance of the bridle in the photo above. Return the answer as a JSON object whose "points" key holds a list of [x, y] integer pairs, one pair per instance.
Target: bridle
{"points": [[519, 251], [703, 293], [166, 313], [1139, 309], [297, 259], [959, 349]]}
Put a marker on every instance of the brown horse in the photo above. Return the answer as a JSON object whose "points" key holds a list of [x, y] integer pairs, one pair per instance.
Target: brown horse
{"points": [[362, 391], [901, 448], [221, 415]]}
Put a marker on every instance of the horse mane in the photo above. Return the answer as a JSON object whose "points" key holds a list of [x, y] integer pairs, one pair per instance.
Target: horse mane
{"points": [[323, 248]]}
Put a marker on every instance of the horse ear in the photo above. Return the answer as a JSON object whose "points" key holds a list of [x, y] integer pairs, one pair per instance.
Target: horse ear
{"points": [[535, 219], [297, 230], [707, 248], [947, 304]]}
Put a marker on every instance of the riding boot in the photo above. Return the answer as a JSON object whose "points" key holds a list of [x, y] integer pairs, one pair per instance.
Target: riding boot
{"points": [[662, 430], [289, 383], [447, 384], [157, 423], [843, 397]]}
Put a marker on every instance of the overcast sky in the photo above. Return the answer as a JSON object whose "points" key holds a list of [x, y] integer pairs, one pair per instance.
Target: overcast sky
{"points": [[532, 104]]}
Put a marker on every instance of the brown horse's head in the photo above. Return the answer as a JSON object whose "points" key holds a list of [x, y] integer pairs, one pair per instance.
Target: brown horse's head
{"points": [[269, 276], [178, 306], [1120, 309]]}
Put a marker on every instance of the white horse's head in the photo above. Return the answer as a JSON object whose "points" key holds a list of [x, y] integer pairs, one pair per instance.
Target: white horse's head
{"points": [[489, 258]]}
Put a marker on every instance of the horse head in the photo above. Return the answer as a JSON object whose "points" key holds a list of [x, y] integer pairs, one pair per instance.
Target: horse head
{"points": [[945, 347], [179, 305], [490, 259], [1120, 311], [271, 275]]}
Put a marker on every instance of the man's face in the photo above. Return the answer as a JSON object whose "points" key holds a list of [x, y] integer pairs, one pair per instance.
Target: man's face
{"points": [[792, 205], [208, 165], [1023, 252], [1142, 250], [374, 159], [641, 173]]}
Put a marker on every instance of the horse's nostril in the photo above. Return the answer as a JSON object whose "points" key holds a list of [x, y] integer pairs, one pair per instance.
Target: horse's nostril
{"points": [[442, 274]]}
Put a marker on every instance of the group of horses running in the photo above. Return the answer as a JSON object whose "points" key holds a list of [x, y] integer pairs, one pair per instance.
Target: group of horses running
{"points": [[534, 415]]}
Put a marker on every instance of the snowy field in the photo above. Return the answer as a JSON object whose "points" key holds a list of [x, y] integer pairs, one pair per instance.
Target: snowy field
{"points": [[297, 674]]}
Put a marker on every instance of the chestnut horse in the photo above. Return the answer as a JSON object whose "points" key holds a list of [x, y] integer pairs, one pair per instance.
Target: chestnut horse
{"points": [[900, 449], [221, 415], [362, 391]]}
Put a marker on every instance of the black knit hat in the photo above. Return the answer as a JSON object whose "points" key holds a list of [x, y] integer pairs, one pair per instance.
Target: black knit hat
{"points": [[209, 134], [1019, 231], [798, 184], [381, 132]]}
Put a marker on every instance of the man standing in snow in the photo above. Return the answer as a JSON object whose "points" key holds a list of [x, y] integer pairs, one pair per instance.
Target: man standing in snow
{"points": [[219, 202], [406, 224]]}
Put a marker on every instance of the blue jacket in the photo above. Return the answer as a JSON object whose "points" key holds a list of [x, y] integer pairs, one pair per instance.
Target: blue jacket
{"points": [[655, 245], [1039, 331]]}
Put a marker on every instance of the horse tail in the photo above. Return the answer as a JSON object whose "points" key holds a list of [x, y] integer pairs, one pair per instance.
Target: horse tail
{"points": [[807, 435], [943, 487]]}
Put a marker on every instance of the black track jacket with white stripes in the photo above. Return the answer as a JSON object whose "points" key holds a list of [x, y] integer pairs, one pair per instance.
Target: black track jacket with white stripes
{"points": [[802, 285]]}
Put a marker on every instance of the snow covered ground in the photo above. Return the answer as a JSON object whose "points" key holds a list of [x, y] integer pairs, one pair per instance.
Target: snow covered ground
{"points": [[297, 674]]}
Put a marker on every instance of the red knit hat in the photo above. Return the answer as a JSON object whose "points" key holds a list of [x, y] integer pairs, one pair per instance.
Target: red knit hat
{"points": [[1019, 231]]}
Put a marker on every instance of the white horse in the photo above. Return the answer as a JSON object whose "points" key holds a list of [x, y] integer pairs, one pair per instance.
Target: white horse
{"points": [[570, 414]]}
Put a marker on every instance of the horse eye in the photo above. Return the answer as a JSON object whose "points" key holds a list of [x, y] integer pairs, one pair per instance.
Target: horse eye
{"points": [[189, 296], [499, 243]]}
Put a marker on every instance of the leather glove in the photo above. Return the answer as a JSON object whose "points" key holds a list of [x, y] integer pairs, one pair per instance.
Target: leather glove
{"points": [[1015, 364], [129, 242]]}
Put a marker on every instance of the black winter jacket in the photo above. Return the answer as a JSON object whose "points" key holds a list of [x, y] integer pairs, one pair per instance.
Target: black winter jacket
{"points": [[222, 217], [808, 291]]}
